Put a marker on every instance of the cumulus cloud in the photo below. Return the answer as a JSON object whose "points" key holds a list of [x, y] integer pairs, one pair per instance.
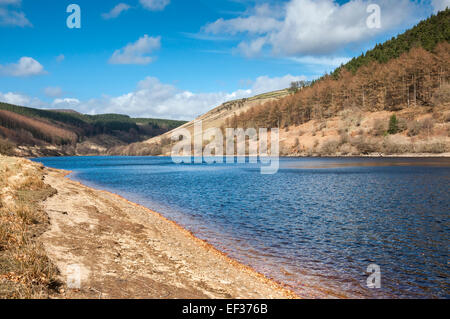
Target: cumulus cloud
{"points": [[116, 11], [258, 20], [440, 5], [26, 66], [66, 103], [311, 27], [12, 16], [154, 5], [53, 91], [137, 52], [152, 98], [264, 84], [252, 48], [327, 62], [20, 99], [14, 98]]}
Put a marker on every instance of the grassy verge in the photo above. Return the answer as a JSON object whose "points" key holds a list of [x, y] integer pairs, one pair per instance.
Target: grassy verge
{"points": [[25, 270]]}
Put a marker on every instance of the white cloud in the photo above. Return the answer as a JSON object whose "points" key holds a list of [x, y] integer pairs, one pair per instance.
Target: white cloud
{"points": [[320, 65], [14, 98], [252, 24], [12, 17], [60, 58], [116, 11], [152, 98], [155, 99], [259, 20], [53, 91], [308, 27], [20, 99], [252, 48], [322, 61], [440, 5], [66, 103], [137, 52], [10, 2], [264, 84], [154, 5], [26, 66]]}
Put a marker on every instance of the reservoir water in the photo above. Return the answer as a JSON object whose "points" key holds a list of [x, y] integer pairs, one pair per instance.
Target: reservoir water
{"points": [[315, 226]]}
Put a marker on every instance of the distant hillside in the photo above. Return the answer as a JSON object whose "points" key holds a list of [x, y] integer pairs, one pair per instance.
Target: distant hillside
{"points": [[63, 111], [217, 117], [34, 132]]}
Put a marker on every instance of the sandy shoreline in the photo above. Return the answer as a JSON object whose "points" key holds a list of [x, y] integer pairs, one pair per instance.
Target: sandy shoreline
{"points": [[125, 250]]}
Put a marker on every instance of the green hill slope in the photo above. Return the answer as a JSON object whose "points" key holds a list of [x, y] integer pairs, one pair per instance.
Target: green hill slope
{"points": [[64, 132]]}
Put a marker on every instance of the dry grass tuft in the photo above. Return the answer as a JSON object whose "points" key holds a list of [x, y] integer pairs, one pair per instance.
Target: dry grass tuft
{"points": [[25, 270]]}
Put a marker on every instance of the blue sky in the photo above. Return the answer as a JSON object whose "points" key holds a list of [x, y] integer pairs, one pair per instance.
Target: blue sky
{"points": [[177, 58]]}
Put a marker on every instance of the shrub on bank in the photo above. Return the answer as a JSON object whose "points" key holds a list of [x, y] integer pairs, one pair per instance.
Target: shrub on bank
{"points": [[393, 125], [379, 127], [433, 148], [423, 126], [365, 146], [330, 148], [6, 148]]}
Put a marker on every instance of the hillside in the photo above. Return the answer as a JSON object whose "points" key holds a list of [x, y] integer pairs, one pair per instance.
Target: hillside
{"points": [[215, 118], [34, 132], [394, 99]]}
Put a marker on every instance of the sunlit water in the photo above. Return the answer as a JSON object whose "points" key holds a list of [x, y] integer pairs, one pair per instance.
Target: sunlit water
{"points": [[316, 225]]}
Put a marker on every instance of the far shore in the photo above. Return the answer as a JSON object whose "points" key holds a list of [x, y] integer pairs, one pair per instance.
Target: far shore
{"points": [[380, 155]]}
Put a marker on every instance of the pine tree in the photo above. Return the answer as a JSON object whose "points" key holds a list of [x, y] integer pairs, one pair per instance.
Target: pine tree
{"points": [[393, 125]]}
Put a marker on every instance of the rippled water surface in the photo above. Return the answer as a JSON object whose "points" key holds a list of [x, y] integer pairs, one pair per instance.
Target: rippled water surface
{"points": [[316, 225]]}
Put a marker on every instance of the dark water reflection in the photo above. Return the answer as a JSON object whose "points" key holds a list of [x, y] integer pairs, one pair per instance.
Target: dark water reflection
{"points": [[315, 225]]}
